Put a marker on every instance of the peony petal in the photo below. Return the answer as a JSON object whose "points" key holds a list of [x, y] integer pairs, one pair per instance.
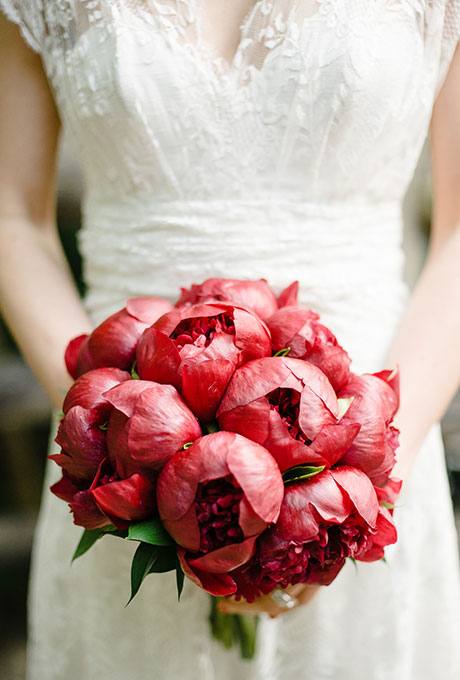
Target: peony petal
{"points": [[250, 522], [252, 381], [285, 327], [286, 450], [296, 522], [124, 397], [304, 503], [83, 443], [315, 379], [65, 488], [71, 354], [130, 499], [359, 490], [258, 474], [289, 295], [252, 336], [178, 481], [215, 584], [203, 385], [255, 295], [313, 413], [323, 576], [185, 532], [250, 420], [374, 405], [386, 534], [88, 391], [148, 309], [114, 341], [333, 441], [117, 445], [160, 426], [226, 558], [157, 358], [86, 513]]}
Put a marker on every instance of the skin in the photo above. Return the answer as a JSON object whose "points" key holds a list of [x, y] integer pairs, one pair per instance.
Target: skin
{"points": [[42, 307]]}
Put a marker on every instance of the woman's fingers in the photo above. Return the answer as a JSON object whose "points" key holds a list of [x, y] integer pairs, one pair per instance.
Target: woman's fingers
{"points": [[266, 604]]}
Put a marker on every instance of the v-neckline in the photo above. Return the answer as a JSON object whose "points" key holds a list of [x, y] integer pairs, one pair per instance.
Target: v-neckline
{"points": [[204, 54]]}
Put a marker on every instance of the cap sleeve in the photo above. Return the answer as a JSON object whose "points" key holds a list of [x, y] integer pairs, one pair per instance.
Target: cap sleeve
{"points": [[28, 15], [449, 40]]}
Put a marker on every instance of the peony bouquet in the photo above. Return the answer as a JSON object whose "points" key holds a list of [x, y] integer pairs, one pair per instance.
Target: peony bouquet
{"points": [[229, 438]]}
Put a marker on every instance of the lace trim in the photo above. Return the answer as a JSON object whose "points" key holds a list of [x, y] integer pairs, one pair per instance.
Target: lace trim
{"points": [[28, 16]]}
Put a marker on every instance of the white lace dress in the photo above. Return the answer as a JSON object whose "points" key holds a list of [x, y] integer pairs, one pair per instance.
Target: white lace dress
{"points": [[290, 162]]}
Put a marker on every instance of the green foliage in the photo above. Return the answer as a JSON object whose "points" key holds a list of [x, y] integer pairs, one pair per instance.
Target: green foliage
{"points": [[300, 473], [143, 561], [150, 531], [282, 352]]}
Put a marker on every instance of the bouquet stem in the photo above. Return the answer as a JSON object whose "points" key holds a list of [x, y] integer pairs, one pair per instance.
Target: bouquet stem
{"points": [[234, 629]]}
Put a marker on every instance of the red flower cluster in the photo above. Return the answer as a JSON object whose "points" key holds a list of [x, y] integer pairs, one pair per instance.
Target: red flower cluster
{"points": [[234, 419]]}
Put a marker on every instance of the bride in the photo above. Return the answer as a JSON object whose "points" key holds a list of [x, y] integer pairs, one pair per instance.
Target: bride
{"points": [[242, 139]]}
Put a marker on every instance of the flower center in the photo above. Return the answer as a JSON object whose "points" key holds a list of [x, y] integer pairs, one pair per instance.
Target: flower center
{"points": [[286, 402], [217, 506], [202, 330], [292, 563]]}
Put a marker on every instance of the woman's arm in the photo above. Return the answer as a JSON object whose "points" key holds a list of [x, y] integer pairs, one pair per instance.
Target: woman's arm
{"points": [[427, 345], [38, 298]]}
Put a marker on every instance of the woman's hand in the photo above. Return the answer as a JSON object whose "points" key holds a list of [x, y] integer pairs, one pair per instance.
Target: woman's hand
{"points": [[266, 604]]}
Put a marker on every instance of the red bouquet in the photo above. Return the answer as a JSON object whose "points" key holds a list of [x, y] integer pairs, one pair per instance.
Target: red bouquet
{"points": [[228, 436]]}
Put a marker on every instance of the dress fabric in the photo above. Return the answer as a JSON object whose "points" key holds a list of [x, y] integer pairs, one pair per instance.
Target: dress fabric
{"points": [[289, 162]]}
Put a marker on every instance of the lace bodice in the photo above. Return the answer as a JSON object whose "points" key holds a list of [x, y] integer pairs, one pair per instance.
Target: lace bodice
{"points": [[323, 99]]}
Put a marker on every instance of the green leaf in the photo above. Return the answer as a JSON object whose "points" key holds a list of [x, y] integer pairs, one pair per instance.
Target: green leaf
{"points": [[282, 352], [143, 561], [211, 427], [88, 539], [179, 580], [166, 561], [344, 405], [134, 373], [299, 473], [388, 506], [150, 531]]}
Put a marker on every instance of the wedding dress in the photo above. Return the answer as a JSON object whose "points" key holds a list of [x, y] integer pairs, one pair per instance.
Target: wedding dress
{"points": [[288, 161]]}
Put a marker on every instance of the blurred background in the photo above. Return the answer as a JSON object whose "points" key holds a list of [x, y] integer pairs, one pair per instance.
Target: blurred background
{"points": [[24, 415]]}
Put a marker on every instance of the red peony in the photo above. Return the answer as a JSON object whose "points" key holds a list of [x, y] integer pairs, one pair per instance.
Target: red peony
{"points": [[148, 424], [255, 295], [114, 341], [299, 329], [334, 515], [214, 499], [197, 349], [288, 406], [374, 405]]}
